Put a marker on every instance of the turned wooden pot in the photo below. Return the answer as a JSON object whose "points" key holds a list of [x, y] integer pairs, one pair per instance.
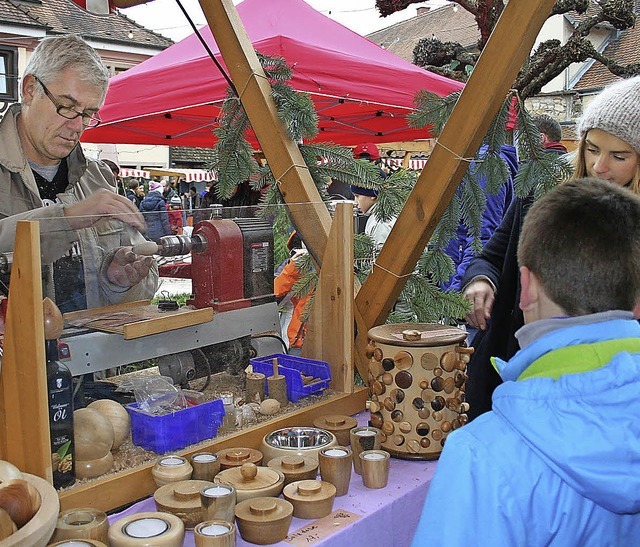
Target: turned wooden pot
{"points": [[264, 520], [295, 468], [416, 378], [311, 499], [183, 500]]}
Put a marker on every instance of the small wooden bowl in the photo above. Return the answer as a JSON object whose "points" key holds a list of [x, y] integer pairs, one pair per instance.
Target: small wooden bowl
{"points": [[211, 533], [147, 529], [264, 520], [339, 425], [295, 468], [85, 523], [251, 481], [310, 499], [235, 457], [38, 531], [183, 500]]}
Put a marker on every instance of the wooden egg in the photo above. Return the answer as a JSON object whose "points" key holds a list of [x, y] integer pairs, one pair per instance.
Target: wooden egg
{"points": [[90, 469], [118, 416], [171, 469], [92, 434], [7, 526], [8, 471], [264, 520], [20, 499], [269, 407], [311, 499], [38, 530]]}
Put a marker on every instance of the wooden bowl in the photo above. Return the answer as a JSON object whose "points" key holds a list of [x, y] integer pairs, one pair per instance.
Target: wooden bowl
{"points": [[38, 531]]}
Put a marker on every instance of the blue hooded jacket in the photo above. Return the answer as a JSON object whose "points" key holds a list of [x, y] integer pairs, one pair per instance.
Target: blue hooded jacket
{"points": [[154, 209], [557, 462], [460, 248]]}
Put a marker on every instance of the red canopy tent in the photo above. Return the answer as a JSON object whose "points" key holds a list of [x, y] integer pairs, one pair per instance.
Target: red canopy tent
{"points": [[361, 91]]}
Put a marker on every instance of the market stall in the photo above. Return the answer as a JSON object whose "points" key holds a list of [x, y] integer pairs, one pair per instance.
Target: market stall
{"points": [[24, 433]]}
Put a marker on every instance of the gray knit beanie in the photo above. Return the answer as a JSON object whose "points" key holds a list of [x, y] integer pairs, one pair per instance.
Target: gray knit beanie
{"points": [[615, 110]]}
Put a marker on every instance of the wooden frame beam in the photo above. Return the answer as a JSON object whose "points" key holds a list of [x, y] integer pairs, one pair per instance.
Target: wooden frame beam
{"points": [[24, 412], [507, 49]]}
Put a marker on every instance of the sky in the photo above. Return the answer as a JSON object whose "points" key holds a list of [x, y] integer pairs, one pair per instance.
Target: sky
{"points": [[361, 16]]}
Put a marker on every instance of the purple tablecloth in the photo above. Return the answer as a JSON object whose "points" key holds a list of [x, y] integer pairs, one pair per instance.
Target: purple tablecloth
{"points": [[389, 515]]}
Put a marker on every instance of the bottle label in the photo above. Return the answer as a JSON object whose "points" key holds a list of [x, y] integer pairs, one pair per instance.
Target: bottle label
{"points": [[61, 428]]}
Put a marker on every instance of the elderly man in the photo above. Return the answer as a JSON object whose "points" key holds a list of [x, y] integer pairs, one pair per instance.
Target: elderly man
{"points": [[86, 228]]}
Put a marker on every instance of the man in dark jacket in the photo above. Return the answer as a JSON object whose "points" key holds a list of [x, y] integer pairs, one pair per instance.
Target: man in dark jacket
{"points": [[496, 312], [132, 192]]}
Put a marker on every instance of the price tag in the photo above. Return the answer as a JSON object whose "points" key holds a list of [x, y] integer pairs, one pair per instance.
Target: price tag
{"points": [[313, 533]]}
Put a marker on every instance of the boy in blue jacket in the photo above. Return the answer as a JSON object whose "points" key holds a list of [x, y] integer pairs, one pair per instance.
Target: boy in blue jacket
{"points": [[557, 461]]}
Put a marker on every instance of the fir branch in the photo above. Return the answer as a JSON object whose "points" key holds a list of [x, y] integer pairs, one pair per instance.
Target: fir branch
{"points": [[473, 203], [432, 110]]}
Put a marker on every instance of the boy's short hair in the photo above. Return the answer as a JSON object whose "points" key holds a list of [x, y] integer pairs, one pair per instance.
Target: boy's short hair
{"points": [[582, 240], [549, 126], [133, 184]]}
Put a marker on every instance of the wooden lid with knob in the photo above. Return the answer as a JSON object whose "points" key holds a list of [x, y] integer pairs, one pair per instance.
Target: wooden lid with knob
{"points": [[235, 457], [311, 499], [295, 467], [251, 481]]}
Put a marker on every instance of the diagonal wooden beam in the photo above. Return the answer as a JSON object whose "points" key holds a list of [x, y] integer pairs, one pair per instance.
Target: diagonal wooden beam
{"points": [[507, 49]]}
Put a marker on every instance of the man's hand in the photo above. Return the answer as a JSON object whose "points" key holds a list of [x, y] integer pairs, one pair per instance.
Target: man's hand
{"points": [[87, 212], [127, 268], [480, 294]]}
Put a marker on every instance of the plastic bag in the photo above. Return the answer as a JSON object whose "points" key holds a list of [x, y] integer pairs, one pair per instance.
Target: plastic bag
{"points": [[155, 395]]}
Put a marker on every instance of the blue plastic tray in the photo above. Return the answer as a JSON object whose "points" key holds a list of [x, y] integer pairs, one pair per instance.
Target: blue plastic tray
{"points": [[170, 432], [290, 367]]}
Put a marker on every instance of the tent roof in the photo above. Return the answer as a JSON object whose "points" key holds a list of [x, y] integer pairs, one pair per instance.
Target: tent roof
{"points": [[361, 91]]}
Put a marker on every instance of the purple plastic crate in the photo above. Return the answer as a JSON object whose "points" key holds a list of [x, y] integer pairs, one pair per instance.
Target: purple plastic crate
{"points": [[174, 431], [290, 366]]}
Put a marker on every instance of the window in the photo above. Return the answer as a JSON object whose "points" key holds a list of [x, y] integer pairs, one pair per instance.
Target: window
{"points": [[8, 74]]}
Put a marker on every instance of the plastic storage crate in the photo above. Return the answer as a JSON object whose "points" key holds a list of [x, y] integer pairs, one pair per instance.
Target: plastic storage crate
{"points": [[170, 432], [290, 367]]}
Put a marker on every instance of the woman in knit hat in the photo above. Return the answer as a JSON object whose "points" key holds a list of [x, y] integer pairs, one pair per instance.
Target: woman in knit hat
{"points": [[609, 132], [609, 149]]}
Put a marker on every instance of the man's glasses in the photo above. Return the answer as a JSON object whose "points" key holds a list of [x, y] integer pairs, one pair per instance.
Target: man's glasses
{"points": [[88, 120]]}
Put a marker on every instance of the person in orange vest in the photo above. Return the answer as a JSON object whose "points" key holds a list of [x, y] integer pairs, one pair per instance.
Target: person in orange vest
{"points": [[282, 287]]}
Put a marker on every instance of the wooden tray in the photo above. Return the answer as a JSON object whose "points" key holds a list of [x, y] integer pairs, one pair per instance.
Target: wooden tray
{"points": [[137, 319]]}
